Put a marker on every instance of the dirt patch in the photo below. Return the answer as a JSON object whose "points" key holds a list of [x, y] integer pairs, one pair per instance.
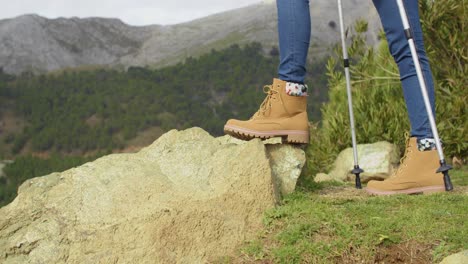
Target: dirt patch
{"points": [[407, 252]]}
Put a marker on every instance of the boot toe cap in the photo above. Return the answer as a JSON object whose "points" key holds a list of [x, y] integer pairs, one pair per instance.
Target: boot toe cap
{"points": [[380, 187], [374, 185], [233, 122]]}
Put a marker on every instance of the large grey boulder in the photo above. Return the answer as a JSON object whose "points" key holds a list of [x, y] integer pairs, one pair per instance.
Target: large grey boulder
{"points": [[378, 161], [187, 198]]}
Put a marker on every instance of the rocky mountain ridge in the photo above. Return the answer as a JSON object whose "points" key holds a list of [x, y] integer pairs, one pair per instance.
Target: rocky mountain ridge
{"points": [[38, 44]]}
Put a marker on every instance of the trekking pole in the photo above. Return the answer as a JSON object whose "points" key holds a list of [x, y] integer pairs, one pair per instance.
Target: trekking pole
{"points": [[444, 168], [357, 170]]}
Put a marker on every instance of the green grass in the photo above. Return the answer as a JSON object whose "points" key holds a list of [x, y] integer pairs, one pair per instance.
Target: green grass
{"points": [[330, 223], [460, 176]]}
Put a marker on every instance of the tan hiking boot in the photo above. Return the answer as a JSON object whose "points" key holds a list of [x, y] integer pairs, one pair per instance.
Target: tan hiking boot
{"points": [[416, 174], [280, 115]]}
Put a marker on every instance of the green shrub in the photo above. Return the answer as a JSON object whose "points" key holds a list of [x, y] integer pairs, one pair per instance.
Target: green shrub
{"points": [[444, 24]]}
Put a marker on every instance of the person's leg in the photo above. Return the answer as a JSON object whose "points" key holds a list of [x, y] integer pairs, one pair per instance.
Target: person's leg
{"points": [[399, 48], [283, 113], [294, 38], [417, 173]]}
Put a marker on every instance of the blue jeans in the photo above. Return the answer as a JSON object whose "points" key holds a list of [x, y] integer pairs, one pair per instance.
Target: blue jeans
{"points": [[294, 37]]}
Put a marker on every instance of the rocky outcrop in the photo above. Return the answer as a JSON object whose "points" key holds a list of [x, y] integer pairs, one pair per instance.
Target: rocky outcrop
{"points": [[34, 43], [187, 198], [286, 162], [378, 161]]}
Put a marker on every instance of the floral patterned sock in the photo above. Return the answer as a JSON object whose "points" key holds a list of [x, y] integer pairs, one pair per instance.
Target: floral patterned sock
{"points": [[296, 89], [426, 144]]}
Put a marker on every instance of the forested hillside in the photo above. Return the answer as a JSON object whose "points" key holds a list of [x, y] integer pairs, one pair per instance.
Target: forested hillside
{"points": [[102, 109], [68, 114]]}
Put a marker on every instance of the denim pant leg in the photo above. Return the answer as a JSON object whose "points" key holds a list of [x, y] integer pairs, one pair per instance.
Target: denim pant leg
{"points": [[399, 48], [294, 38]]}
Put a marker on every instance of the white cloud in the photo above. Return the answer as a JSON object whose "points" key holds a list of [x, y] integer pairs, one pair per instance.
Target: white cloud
{"points": [[134, 12]]}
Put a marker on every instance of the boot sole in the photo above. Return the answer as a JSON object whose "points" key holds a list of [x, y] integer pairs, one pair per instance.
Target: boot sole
{"points": [[289, 136], [424, 190]]}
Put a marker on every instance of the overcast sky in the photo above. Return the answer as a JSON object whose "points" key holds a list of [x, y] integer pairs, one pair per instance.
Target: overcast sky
{"points": [[133, 12]]}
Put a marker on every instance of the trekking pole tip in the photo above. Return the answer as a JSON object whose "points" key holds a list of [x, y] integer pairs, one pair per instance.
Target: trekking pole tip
{"points": [[357, 171], [444, 169], [358, 182], [447, 182]]}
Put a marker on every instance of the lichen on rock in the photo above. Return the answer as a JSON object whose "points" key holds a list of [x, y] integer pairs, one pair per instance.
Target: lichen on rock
{"points": [[186, 198]]}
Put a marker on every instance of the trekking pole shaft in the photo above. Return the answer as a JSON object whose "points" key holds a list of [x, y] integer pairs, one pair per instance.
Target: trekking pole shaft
{"points": [[357, 170], [348, 83]]}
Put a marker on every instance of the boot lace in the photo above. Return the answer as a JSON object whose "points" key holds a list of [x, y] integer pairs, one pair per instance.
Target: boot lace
{"points": [[266, 104], [403, 164]]}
